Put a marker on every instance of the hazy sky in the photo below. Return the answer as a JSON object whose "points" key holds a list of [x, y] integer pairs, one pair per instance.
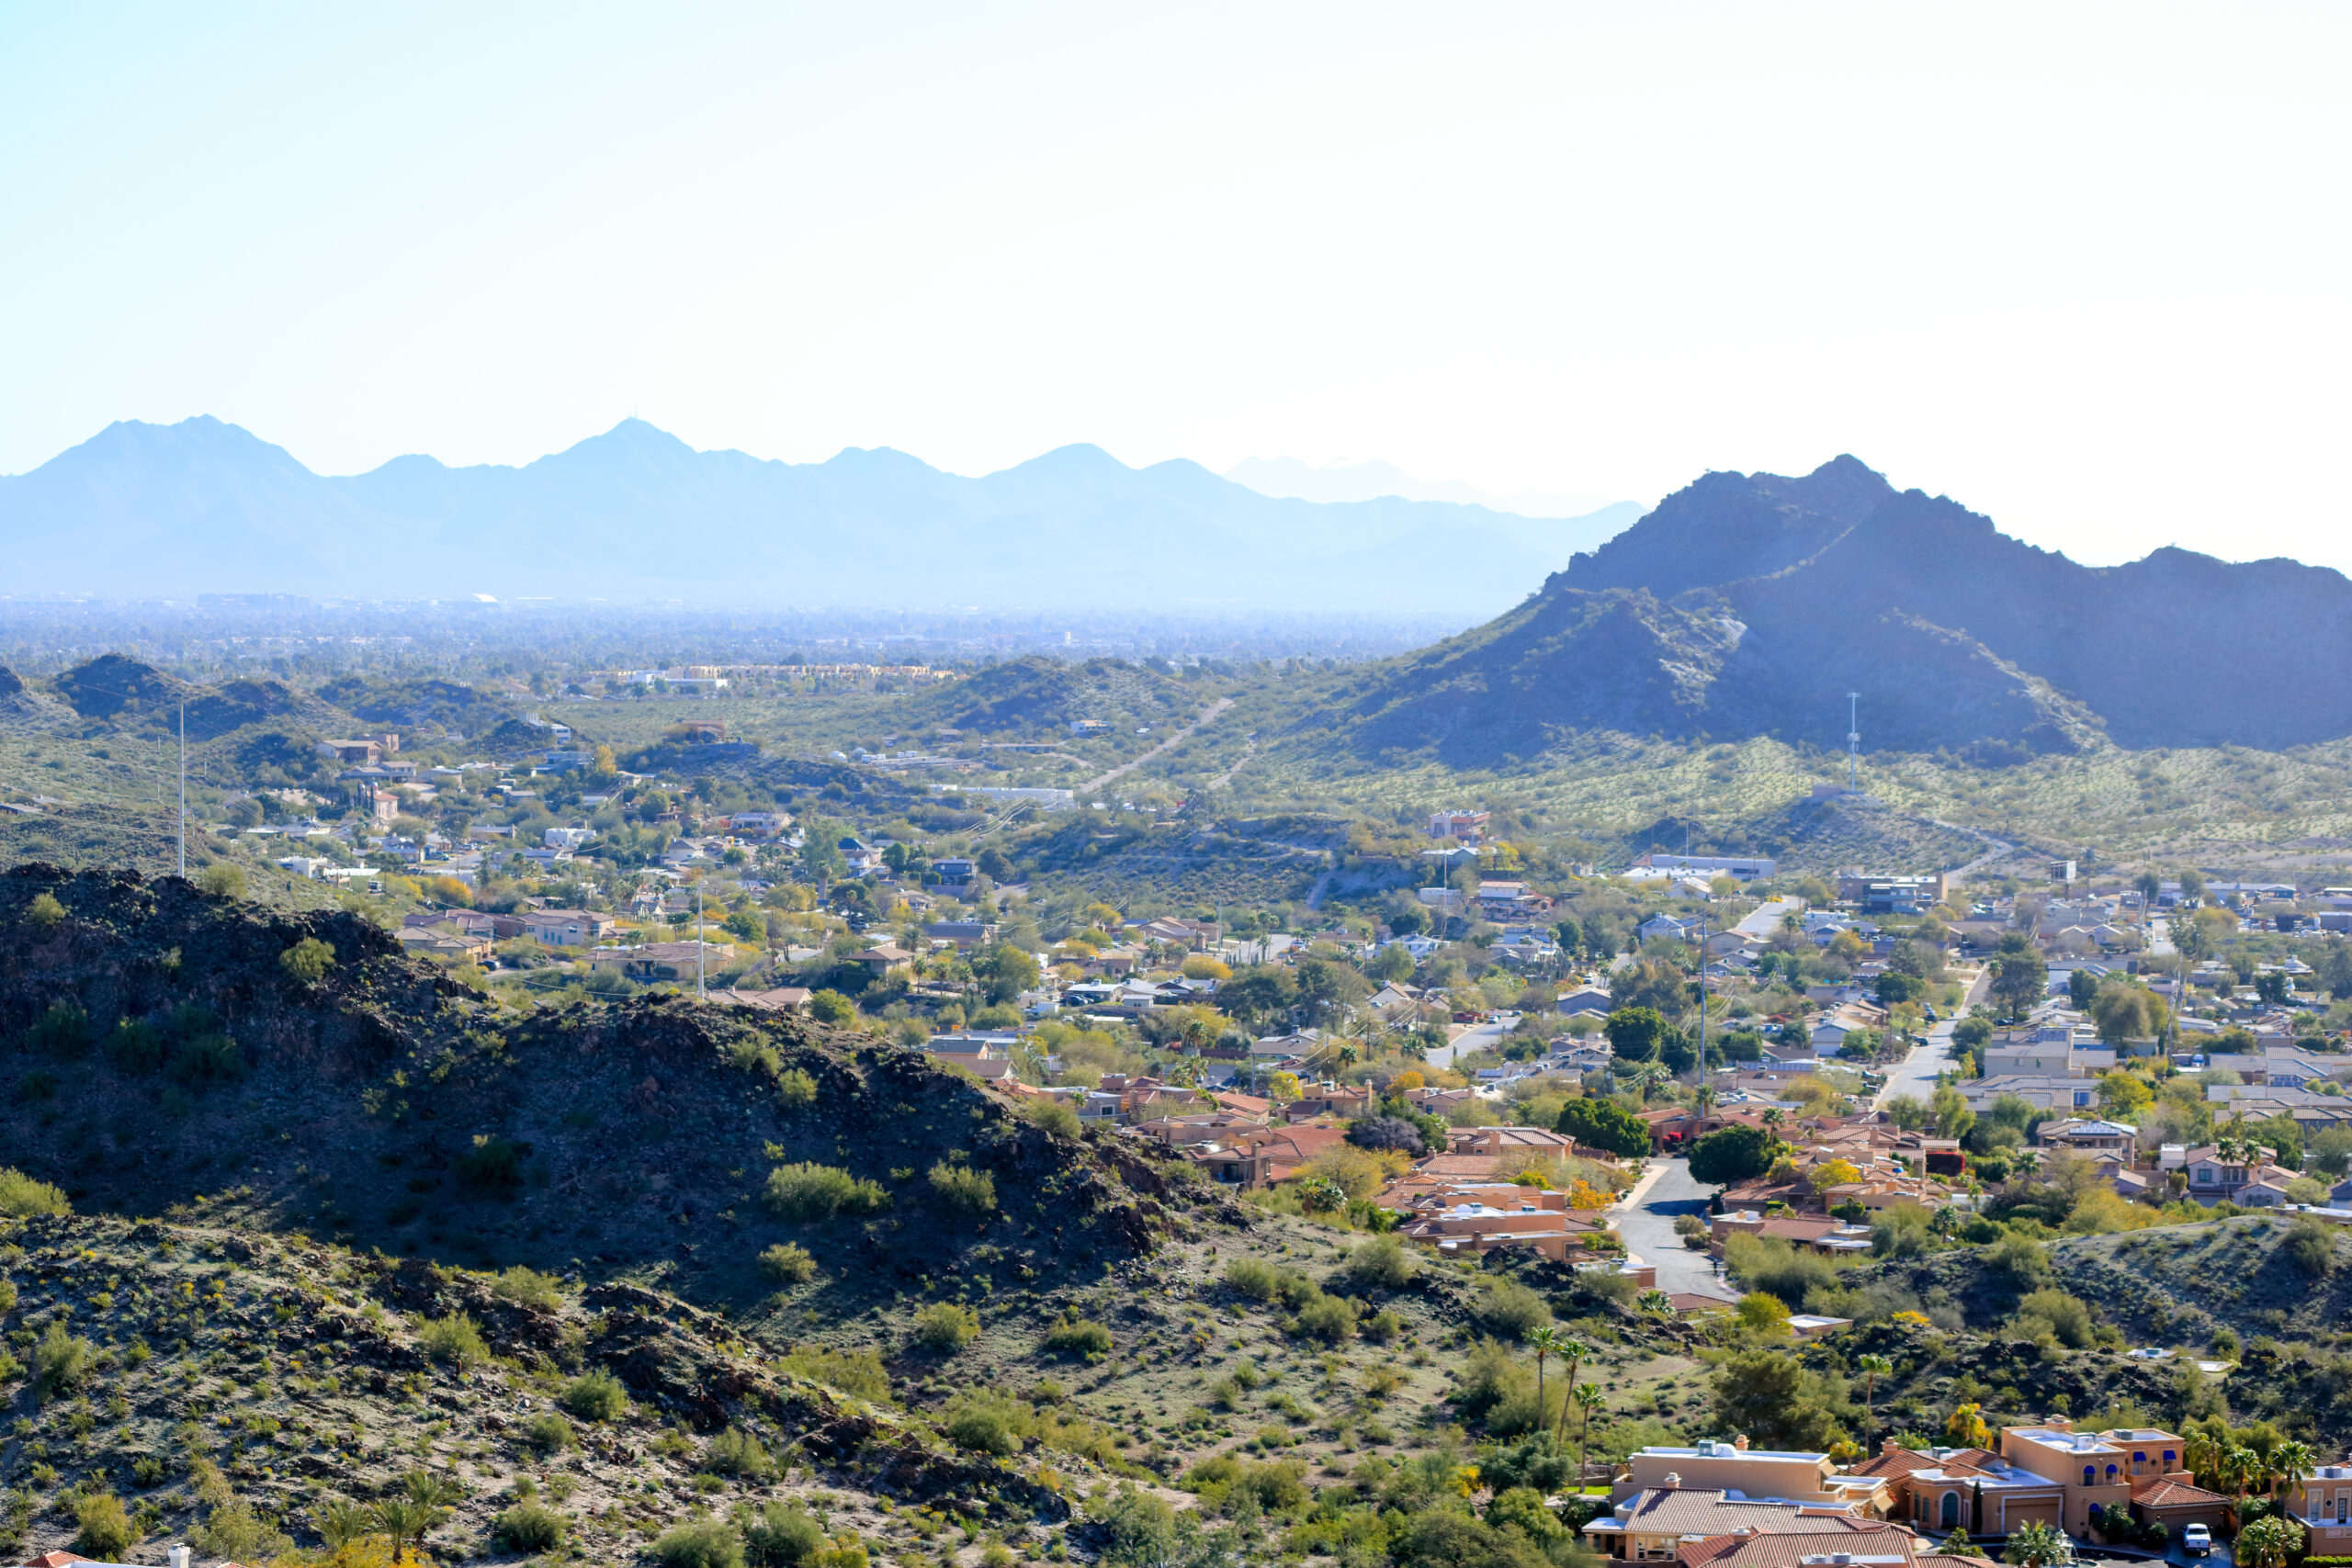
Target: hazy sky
{"points": [[2081, 266]]}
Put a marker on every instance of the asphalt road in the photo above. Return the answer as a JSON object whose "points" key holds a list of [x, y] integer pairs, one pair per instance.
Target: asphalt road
{"points": [[1647, 1230], [1915, 1074], [1469, 1042]]}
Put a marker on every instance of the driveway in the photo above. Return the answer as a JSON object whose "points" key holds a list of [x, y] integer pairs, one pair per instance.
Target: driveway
{"points": [[1647, 1229]]}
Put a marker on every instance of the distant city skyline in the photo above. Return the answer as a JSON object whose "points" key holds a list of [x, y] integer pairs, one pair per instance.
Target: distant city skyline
{"points": [[2074, 266]]}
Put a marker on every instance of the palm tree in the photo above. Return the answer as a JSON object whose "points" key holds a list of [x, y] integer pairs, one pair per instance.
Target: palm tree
{"points": [[342, 1521], [2269, 1543], [1572, 1351], [1774, 1116], [2036, 1545], [1656, 1302], [2239, 1466], [1588, 1399], [1873, 1368], [2201, 1451], [2292, 1461], [406, 1521], [1544, 1341]]}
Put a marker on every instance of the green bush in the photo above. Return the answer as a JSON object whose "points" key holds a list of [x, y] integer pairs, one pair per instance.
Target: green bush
{"points": [[208, 1059], [946, 1326], [45, 910], [528, 1526], [962, 1188], [2066, 1317], [549, 1432], [1078, 1337], [786, 1264], [232, 1530], [456, 1340], [529, 1287], [222, 879], [595, 1396], [810, 1191], [64, 1031], [1383, 1262], [60, 1362], [135, 1046], [492, 1168], [987, 1424], [2311, 1246], [105, 1531], [1512, 1311], [1327, 1318], [858, 1372], [782, 1535], [829, 1006], [21, 1196], [737, 1453], [307, 960], [1259, 1280], [795, 1087], [701, 1543], [1054, 1116]]}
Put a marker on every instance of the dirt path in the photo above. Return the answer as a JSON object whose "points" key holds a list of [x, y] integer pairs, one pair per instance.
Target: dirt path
{"points": [[1207, 716]]}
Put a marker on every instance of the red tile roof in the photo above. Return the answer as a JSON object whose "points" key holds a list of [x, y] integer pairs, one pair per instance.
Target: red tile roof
{"points": [[2164, 1492]]}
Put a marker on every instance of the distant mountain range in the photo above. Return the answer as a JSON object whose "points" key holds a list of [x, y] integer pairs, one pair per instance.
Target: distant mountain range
{"points": [[1752, 604], [1369, 481], [634, 515]]}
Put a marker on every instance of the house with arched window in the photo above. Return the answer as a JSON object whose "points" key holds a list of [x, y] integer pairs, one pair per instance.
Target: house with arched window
{"points": [[2100, 1468], [1974, 1490]]}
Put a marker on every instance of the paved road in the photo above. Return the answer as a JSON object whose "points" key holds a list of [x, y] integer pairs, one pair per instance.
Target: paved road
{"points": [[1915, 1074], [1469, 1042], [1647, 1229], [1768, 917], [1208, 716]]}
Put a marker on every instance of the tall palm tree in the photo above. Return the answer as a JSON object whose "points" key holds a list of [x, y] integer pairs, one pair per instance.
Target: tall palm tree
{"points": [[2201, 1451], [1572, 1351], [1873, 1368], [2269, 1543], [1544, 1341], [2290, 1462], [2239, 1467], [1588, 1399]]}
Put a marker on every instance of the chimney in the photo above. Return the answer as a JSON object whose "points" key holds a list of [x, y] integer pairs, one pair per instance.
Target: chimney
{"points": [[1888, 1445], [1740, 1441], [179, 1557], [1673, 1479]]}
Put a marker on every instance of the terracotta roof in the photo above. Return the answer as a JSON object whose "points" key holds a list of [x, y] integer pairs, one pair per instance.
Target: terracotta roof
{"points": [[2164, 1492], [1784, 1550], [1479, 1166], [1684, 1300]]}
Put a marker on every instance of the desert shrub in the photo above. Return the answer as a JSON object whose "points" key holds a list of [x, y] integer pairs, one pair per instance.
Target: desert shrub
{"points": [[222, 879], [737, 1453], [1052, 1115], [1490, 1375], [595, 1395], [1078, 1337], [21, 1196], [1383, 1326], [104, 1532], [1327, 1318], [1380, 1261], [45, 910], [782, 1535], [1769, 1263], [549, 1432], [795, 1087], [2019, 1256], [786, 1264], [528, 1526], [64, 1031], [858, 1372], [829, 1006], [135, 1046], [60, 1362], [700, 1543], [1512, 1311], [1259, 1280], [456, 1340], [988, 1423], [962, 1188], [307, 960], [232, 1530], [2311, 1246], [208, 1059], [529, 1287], [946, 1326], [492, 1168], [811, 1191], [2066, 1317]]}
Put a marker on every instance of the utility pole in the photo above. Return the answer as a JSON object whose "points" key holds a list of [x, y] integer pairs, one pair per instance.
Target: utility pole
{"points": [[1853, 743], [183, 788], [698, 945]]}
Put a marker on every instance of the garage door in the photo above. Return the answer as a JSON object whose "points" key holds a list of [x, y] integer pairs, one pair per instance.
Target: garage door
{"points": [[2020, 1512]]}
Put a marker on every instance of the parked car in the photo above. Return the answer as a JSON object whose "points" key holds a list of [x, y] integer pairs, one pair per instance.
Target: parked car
{"points": [[2197, 1540]]}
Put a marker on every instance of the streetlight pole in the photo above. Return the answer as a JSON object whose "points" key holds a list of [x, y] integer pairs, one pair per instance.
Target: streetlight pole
{"points": [[698, 943], [183, 789]]}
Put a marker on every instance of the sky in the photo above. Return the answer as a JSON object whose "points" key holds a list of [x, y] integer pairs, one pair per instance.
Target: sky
{"points": [[2078, 267]]}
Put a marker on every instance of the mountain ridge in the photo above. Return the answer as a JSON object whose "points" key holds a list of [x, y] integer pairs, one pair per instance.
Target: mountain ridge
{"points": [[204, 505], [1751, 604]]}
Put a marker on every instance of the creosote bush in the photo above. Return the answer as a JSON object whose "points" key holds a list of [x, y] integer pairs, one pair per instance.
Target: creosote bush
{"points": [[45, 910], [782, 1535], [529, 1287], [1380, 1261], [549, 1432], [811, 1191], [946, 1326], [795, 1088], [456, 1340], [307, 960], [528, 1526], [492, 1168], [737, 1453], [21, 1196], [60, 1362], [595, 1396], [1078, 1337], [135, 1046], [63, 1032], [787, 1264], [105, 1533], [962, 1188], [702, 1543]]}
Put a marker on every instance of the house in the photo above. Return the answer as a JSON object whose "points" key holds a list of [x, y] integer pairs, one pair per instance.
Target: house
{"points": [[437, 941], [1532, 1141], [1505, 899], [1973, 1490], [965, 934], [1591, 999], [2082, 1136], [1286, 1047], [1734, 1467], [780, 999], [2214, 1177], [1876, 1545], [1197, 935], [1466, 826], [2091, 1467], [659, 960], [564, 928], [2321, 1501], [955, 871], [1891, 895], [1473, 1229], [884, 960], [1256, 1160]]}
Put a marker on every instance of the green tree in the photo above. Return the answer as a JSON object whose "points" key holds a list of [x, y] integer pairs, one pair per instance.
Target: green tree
{"points": [[2081, 986], [1873, 1368], [1635, 1034], [1588, 1399], [1731, 1154], [2270, 1543], [1006, 971], [1779, 1402], [307, 960], [2036, 1545], [1950, 1108], [2022, 976], [1604, 1124]]}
